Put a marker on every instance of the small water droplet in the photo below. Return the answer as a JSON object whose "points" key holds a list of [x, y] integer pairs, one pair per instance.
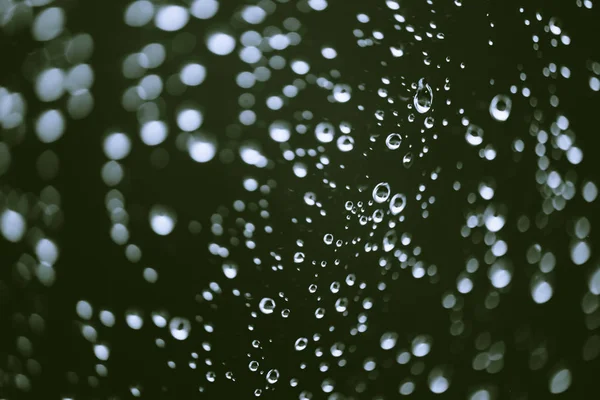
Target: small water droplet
{"points": [[407, 161]]}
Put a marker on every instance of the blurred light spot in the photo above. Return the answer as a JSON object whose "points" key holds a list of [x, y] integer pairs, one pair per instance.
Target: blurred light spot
{"points": [[80, 76], [560, 381], [139, 13], [300, 67], [50, 126], [162, 221], [154, 133], [542, 292], [117, 146], [171, 18], [220, 43], [253, 14], [46, 251], [48, 24], [189, 120], [202, 148], [12, 225], [192, 74], [204, 9], [50, 84]]}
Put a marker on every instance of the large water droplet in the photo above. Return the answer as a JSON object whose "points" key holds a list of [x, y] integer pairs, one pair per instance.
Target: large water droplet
{"points": [[180, 328], [324, 132], [393, 141], [474, 135], [345, 143], [389, 240], [342, 93], [421, 346], [388, 340], [438, 383], [397, 203], [381, 192], [423, 97], [267, 305], [300, 344], [500, 107], [272, 376]]}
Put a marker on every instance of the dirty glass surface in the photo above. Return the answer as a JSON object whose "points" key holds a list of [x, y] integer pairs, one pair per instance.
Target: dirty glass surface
{"points": [[299, 199]]}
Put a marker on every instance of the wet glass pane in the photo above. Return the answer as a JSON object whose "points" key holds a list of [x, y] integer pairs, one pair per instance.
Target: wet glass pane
{"points": [[299, 199]]}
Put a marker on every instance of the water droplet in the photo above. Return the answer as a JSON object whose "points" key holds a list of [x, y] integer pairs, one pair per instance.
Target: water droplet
{"points": [[438, 383], [421, 346], [324, 132], [474, 135], [267, 305], [300, 170], [342, 93], [299, 257], [345, 143], [230, 270], [393, 141], [388, 340], [555, 26], [180, 328], [272, 376], [381, 192], [407, 160], [341, 304], [301, 344], [328, 385], [423, 97], [397, 203], [500, 107]]}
